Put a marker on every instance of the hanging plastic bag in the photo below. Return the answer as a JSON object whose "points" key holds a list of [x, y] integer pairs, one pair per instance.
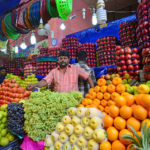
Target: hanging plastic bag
{"points": [[29, 144]]}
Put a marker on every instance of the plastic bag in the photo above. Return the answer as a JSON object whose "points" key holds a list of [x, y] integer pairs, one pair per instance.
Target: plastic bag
{"points": [[29, 144]]}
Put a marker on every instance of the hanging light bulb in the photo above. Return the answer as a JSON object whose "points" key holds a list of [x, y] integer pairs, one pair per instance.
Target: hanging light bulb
{"points": [[16, 48], [23, 44], [83, 13], [62, 26], [94, 17], [41, 30], [33, 38]]}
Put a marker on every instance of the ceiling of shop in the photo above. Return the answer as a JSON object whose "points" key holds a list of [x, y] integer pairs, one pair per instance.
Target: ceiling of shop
{"points": [[116, 5]]}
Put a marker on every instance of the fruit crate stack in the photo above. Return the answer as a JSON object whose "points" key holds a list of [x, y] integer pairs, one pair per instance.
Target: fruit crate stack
{"points": [[31, 62], [55, 51], [43, 52], [19, 62], [106, 49], [43, 68], [71, 45], [143, 35], [128, 61], [90, 49], [127, 33]]}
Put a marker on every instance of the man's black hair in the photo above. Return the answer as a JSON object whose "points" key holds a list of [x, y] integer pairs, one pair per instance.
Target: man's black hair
{"points": [[64, 53], [82, 56], [2, 67]]}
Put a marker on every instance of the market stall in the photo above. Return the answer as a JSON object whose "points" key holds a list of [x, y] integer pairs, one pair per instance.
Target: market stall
{"points": [[114, 115]]}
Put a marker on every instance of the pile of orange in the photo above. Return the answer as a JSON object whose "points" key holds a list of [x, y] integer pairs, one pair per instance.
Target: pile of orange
{"points": [[121, 109]]}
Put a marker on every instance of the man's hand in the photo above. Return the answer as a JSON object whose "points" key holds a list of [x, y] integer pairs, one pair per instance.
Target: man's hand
{"points": [[30, 86]]}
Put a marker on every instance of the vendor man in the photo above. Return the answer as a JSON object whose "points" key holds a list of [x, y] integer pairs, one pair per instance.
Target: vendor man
{"points": [[2, 74], [65, 77]]}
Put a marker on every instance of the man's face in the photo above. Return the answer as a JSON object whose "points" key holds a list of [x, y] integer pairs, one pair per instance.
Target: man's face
{"points": [[3, 72], [63, 61]]}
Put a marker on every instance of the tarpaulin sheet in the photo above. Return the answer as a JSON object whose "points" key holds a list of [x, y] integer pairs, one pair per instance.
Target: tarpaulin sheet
{"points": [[91, 35]]}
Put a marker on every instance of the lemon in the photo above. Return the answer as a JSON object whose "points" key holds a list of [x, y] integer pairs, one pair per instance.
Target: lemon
{"points": [[143, 89], [4, 141]]}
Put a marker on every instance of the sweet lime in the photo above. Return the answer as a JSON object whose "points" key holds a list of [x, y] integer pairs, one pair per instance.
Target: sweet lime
{"points": [[4, 141]]}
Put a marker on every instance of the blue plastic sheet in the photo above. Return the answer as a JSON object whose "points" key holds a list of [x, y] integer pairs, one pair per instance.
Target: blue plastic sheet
{"points": [[91, 35]]}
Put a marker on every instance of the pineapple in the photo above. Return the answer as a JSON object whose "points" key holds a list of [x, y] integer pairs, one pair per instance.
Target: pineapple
{"points": [[140, 142]]}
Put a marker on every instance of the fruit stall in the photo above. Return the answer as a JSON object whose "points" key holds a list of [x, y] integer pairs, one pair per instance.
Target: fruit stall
{"points": [[114, 115]]}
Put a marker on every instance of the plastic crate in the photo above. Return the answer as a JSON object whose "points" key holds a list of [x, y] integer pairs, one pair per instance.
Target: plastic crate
{"points": [[14, 145]]}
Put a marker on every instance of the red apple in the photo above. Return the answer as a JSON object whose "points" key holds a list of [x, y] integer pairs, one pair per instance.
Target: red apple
{"points": [[124, 67], [125, 72], [134, 55], [122, 51], [135, 61], [128, 62], [134, 50], [137, 72], [130, 67], [137, 67], [131, 72], [122, 57], [120, 73], [128, 56], [118, 47], [128, 50], [122, 62]]}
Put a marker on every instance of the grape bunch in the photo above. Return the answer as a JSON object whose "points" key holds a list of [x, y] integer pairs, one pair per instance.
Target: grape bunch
{"points": [[15, 122]]}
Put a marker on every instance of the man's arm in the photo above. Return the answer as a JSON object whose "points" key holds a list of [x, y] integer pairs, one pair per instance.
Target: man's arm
{"points": [[40, 84], [90, 81]]}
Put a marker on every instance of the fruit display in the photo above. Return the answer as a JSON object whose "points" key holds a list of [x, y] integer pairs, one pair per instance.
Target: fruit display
{"points": [[71, 45], [82, 128], [31, 79], [106, 48], [31, 62], [29, 70], [15, 119], [90, 49], [127, 33], [44, 110], [6, 136], [11, 92], [121, 110], [128, 61], [19, 62], [43, 68]]}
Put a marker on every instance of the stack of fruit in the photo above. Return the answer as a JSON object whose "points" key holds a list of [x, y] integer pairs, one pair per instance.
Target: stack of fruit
{"points": [[106, 48], [5, 137], [19, 62], [29, 70], [143, 15], [34, 58], [128, 61], [11, 92], [82, 128], [146, 63], [31, 79], [15, 119], [90, 49], [43, 68], [54, 51], [30, 62], [43, 52], [121, 111], [71, 45], [127, 33]]}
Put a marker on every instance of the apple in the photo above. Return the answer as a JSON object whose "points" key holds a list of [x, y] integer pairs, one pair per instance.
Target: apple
{"points": [[137, 72], [122, 57], [128, 50], [118, 47], [122, 51], [137, 67], [118, 68], [135, 61], [120, 73], [128, 62], [124, 67], [124, 72], [128, 56], [131, 72], [134, 55], [122, 62], [130, 67]]}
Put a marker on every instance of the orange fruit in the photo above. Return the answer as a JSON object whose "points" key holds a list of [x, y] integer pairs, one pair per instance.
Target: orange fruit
{"points": [[145, 101], [117, 145], [134, 123], [93, 95], [133, 107], [96, 101], [125, 132], [103, 89], [125, 112], [120, 88], [138, 99], [120, 101], [88, 96], [101, 108], [91, 90], [99, 95], [116, 81], [112, 134], [107, 96], [119, 123], [114, 95], [110, 102], [108, 121], [111, 88], [128, 148], [101, 82], [107, 109], [124, 94], [140, 112], [146, 121], [113, 111], [129, 99], [97, 89], [81, 105], [105, 146], [104, 103]]}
